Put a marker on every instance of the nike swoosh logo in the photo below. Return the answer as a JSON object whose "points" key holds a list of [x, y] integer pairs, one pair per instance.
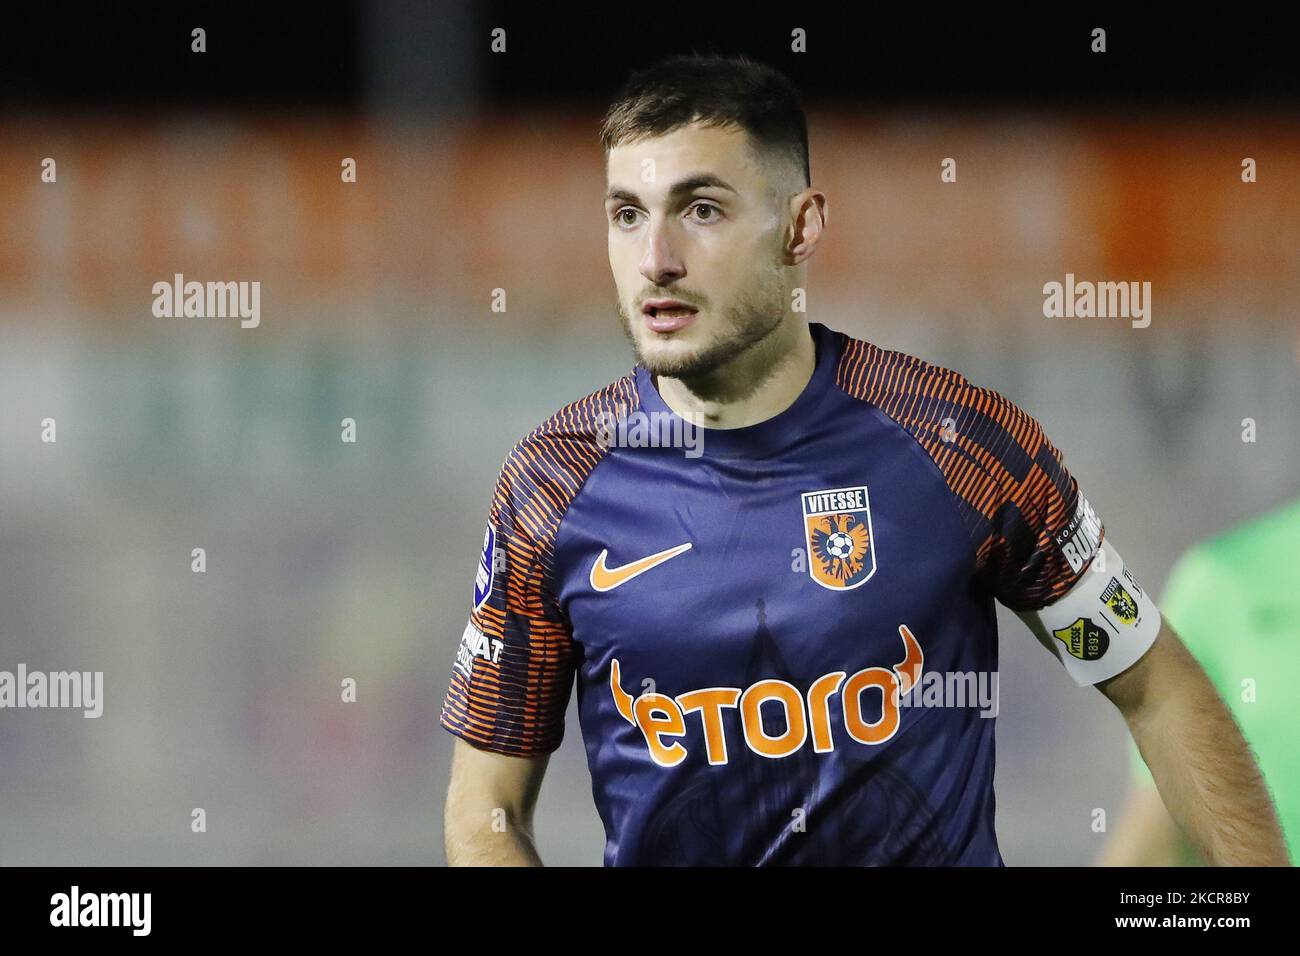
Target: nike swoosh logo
{"points": [[606, 579]]}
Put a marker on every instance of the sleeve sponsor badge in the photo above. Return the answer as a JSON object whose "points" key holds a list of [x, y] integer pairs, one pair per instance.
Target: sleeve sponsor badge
{"points": [[483, 578]]}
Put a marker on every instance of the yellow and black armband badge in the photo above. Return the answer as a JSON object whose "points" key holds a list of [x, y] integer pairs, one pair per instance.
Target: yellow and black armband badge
{"points": [[1102, 625]]}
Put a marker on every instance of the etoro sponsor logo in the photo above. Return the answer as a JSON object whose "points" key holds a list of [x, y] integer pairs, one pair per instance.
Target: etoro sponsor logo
{"points": [[660, 718]]}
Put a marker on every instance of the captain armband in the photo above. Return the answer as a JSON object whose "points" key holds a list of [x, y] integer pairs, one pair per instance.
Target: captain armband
{"points": [[1102, 625]]}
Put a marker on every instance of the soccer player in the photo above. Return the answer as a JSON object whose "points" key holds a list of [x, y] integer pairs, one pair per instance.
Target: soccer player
{"points": [[755, 612], [1236, 600]]}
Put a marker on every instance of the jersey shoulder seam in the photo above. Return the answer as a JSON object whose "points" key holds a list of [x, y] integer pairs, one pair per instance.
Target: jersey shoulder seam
{"points": [[853, 348], [560, 455]]}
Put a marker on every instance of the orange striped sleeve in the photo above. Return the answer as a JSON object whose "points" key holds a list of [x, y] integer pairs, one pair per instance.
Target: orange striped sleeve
{"points": [[1015, 496], [513, 671]]}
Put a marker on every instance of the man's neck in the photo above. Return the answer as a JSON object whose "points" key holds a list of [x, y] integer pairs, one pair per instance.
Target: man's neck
{"points": [[753, 387]]}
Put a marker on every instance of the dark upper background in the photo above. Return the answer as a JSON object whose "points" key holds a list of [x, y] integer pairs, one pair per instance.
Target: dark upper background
{"points": [[433, 57]]}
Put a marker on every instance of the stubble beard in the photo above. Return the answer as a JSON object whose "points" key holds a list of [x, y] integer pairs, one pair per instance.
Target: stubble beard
{"points": [[744, 325]]}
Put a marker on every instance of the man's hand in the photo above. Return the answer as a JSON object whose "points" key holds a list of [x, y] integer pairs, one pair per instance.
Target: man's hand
{"points": [[1198, 758], [489, 815]]}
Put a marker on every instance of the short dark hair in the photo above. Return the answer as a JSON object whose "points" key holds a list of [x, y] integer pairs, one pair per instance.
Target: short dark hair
{"points": [[717, 91]]}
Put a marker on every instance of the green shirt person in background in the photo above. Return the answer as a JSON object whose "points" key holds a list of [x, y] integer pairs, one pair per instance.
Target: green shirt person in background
{"points": [[1235, 601]]}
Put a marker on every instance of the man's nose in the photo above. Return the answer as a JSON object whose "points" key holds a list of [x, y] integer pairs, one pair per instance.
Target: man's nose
{"points": [[661, 263]]}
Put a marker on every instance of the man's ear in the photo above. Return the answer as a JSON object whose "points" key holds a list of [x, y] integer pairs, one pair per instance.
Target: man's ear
{"points": [[807, 224]]}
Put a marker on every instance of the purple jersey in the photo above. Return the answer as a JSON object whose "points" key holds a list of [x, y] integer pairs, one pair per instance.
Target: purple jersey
{"points": [[767, 625]]}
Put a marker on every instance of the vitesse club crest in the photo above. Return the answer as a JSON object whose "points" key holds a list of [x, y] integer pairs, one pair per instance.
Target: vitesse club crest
{"points": [[1120, 602], [1083, 639], [837, 528]]}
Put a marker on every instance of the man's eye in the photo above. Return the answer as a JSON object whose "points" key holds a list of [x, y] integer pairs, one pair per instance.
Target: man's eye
{"points": [[713, 211], [625, 211]]}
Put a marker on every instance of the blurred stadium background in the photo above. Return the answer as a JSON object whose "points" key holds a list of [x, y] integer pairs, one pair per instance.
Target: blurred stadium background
{"points": [[328, 560]]}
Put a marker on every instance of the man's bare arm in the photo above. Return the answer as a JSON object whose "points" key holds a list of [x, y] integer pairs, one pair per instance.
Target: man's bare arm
{"points": [[489, 815], [1145, 835], [1198, 758]]}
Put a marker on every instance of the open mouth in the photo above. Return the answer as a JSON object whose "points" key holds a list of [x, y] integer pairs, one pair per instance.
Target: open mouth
{"points": [[667, 315]]}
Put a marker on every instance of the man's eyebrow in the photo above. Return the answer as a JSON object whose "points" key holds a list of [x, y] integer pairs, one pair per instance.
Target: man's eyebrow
{"points": [[679, 188]]}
